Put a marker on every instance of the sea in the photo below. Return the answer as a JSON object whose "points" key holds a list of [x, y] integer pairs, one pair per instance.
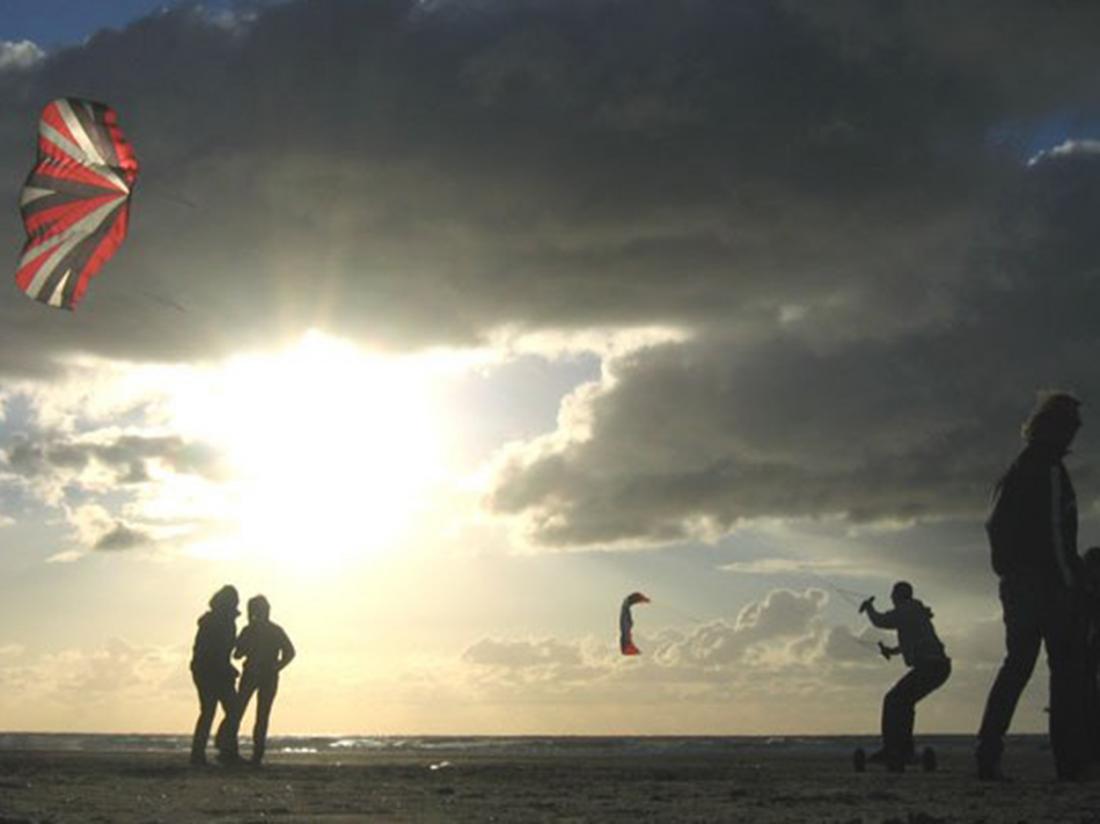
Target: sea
{"points": [[492, 746]]}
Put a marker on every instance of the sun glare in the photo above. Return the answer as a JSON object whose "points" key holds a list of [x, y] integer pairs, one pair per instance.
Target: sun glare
{"points": [[331, 450]]}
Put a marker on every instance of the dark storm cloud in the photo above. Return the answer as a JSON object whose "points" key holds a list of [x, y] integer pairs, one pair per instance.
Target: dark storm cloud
{"points": [[407, 172], [689, 439], [127, 456], [822, 418], [834, 199]]}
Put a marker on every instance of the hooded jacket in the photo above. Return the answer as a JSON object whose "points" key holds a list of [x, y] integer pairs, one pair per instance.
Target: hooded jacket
{"points": [[214, 642], [916, 635]]}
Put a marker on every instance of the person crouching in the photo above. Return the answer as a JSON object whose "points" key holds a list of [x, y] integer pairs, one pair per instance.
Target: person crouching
{"points": [[929, 668]]}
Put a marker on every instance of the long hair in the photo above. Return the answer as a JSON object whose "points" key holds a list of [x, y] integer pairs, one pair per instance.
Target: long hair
{"points": [[1053, 409]]}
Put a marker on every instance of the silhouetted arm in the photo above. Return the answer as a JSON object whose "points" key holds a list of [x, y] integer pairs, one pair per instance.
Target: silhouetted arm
{"points": [[239, 649], [882, 620], [286, 652]]}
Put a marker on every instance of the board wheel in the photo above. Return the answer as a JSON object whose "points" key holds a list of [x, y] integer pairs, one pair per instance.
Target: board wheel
{"points": [[928, 760], [859, 760]]}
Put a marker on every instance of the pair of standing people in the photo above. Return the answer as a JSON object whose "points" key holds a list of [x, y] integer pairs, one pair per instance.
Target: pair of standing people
{"points": [[266, 651]]}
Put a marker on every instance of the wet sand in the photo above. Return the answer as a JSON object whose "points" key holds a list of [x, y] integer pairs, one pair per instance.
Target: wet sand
{"points": [[759, 785]]}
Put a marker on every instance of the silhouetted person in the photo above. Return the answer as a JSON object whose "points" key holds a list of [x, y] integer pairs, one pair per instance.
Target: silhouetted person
{"points": [[1032, 532], [266, 650], [929, 668], [215, 677]]}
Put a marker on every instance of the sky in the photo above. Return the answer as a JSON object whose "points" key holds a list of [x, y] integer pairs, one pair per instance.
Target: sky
{"points": [[447, 324]]}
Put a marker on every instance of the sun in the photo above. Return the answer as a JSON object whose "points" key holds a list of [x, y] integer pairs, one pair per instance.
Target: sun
{"points": [[330, 450]]}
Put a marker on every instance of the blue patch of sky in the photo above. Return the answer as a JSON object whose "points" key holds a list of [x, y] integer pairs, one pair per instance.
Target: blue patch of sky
{"points": [[18, 416], [519, 400], [57, 23], [1026, 138]]}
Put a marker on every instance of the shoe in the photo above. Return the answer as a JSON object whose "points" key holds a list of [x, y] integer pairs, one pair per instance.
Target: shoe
{"points": [[229, 759], [1083, 773], [199, 761], [990, 771]]}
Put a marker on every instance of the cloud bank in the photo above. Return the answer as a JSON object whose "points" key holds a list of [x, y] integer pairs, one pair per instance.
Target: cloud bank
{"points": [[833, 206]]}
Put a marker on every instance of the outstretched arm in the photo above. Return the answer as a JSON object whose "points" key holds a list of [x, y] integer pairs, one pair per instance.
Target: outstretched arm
{"points": [[882, 620]]}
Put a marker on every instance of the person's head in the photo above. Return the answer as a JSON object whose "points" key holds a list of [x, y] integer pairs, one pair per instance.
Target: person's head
{"points": [[225, 600], [902, 592], [258, 608], [1054, 421]]}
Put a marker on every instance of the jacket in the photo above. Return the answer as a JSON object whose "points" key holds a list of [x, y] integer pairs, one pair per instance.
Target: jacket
{"points": [[916, 635], [1032, 524]]}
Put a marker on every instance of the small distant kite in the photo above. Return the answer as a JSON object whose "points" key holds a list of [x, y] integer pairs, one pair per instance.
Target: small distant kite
{"points": [[626, 623], [76, 201]]}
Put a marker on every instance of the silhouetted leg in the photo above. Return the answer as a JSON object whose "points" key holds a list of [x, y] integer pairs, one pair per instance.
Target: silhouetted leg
{"points": [[1068, 709], [248, 687], [226, 738], [1092, 698], [1022, 640], [264, 701], [898, 715], [926, 677], [889, 718], [208, 703]]}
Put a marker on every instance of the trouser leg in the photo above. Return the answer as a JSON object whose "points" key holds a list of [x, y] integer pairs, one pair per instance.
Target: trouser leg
{"points": [[926, 677], [893, 711], [226, 738], [1092, 699], [1022, 641], [264, 700], [248, 687], [1066, 656], [899, 707], [208, 703]]}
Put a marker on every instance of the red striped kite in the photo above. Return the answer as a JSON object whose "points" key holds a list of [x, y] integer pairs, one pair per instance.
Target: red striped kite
{"points": [[76, 201]]}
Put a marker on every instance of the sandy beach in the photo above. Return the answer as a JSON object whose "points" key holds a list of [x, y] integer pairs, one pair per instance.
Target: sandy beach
{"points": [[768, 784]]}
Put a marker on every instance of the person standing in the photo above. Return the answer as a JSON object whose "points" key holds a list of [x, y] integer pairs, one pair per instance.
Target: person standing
{"points": [[266, 650], [929, 668], [215, 677], [1032, 530]]}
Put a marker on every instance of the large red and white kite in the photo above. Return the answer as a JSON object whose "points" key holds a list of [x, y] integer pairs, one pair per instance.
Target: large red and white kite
{"points": [[76, 201]]}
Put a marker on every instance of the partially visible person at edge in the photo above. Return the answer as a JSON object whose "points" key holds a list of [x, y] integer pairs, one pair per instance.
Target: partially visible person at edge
{"points": [[215, 677], [1091, 560], [1032, 529], [929, 668], [266, 650]]}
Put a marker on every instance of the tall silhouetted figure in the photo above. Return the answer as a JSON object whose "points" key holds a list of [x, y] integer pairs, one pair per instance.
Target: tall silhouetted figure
{"points": [[215, 677], [929, 668], [1032, 531], [266, 650]]}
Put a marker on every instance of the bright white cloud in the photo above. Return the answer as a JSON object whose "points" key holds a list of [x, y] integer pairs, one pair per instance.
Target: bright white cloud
{"points": [[1066, 149], [19, 55]]}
